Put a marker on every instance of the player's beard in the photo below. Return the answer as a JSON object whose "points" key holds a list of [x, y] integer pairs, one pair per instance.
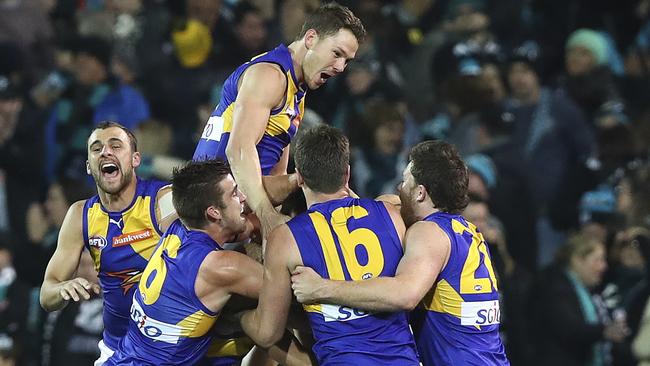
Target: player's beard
{"points": [[407, 209], [125, 178]]}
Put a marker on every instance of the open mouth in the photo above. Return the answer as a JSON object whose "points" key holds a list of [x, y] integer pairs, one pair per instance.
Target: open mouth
{"points": [[324, 76], [109, 170]]}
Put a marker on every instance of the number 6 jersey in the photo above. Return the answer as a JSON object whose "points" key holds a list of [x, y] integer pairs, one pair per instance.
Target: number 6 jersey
{"points": [[457, 322], [169, 324], [353, 240]]}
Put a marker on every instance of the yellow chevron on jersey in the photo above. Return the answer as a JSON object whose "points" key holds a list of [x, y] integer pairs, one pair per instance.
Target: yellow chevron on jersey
{"points": [[120, 243], [197, 324], [282, 124], [443, 299]]}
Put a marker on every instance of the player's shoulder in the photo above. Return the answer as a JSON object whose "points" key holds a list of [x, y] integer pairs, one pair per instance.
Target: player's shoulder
{"points": [[223, 266], [425, 228], [73, 222], [281, 234], [77, 208], [265, 72], [164, 190]]}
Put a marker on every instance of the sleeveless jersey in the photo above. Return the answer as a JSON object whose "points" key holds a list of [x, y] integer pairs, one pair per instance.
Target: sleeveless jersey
{"points": [[120, 244], [457, 322], [283, 121], [169, 324], [353, 240]]}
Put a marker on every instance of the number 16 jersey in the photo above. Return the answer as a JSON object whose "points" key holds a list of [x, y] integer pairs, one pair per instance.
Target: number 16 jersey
{"points": [[353, 240]]}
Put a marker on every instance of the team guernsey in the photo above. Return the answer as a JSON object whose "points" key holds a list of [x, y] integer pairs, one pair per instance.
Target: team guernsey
{"points": [[169, 324], [283, 121], [457, 322], [120, 244], [353, 240]]}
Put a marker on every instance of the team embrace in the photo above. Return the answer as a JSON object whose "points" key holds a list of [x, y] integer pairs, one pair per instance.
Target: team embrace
{"points": [[390, 281]]}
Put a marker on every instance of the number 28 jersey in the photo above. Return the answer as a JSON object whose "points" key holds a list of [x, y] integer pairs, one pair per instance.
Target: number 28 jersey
{"points": [[457, 322], [353, 240]]}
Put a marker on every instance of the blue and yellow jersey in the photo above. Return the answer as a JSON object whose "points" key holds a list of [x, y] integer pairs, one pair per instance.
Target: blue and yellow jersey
{"points": [[353, 240], [457, 322], [120, 244], [169, 324], [283, 121]]}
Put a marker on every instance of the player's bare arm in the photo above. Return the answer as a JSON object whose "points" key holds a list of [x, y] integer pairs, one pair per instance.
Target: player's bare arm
{"points": [[59, 286], [279, 187], [393, 199], [165, 212], [280, 167], [266, 324], [397, 220], [262, 88], [227, 272], [425, 254]]}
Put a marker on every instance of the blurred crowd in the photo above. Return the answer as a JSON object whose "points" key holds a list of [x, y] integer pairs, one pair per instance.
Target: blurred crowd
{"points": [[548, 102]]}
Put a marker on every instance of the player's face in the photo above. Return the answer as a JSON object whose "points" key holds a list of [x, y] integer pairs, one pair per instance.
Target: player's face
{"points": [[408, 196], [111, 160], [233, 218], [328, 56]]}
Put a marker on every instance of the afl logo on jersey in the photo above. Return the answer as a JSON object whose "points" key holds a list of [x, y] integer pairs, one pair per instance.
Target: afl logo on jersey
{"points": [[98, 242]]}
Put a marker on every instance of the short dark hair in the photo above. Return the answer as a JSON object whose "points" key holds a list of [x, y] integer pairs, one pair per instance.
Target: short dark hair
{"points": [[108, 124], [437, 166], [322, 156], [195, 187], [329, 18]]}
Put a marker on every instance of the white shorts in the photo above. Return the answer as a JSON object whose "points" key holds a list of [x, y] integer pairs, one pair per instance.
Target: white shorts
{"points": [[106, 353]]}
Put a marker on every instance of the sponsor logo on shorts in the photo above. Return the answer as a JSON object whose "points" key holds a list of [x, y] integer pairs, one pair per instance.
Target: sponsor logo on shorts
{"points": [[130, 238]]}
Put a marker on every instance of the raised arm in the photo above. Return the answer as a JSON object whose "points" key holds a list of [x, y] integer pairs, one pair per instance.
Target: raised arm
{"points": [[58, 285], [262, 89], [279, 187], [426, 251], [265, 325]]}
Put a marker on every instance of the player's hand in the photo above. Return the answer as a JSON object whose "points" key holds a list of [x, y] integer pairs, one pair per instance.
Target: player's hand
{"points": [[78, 289], [306, 284]]}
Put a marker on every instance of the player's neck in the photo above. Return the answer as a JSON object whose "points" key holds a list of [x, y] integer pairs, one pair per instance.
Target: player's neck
{"points": [[298, 52], [422, 211], [217, 233], [312, 197], [120, 200]]}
